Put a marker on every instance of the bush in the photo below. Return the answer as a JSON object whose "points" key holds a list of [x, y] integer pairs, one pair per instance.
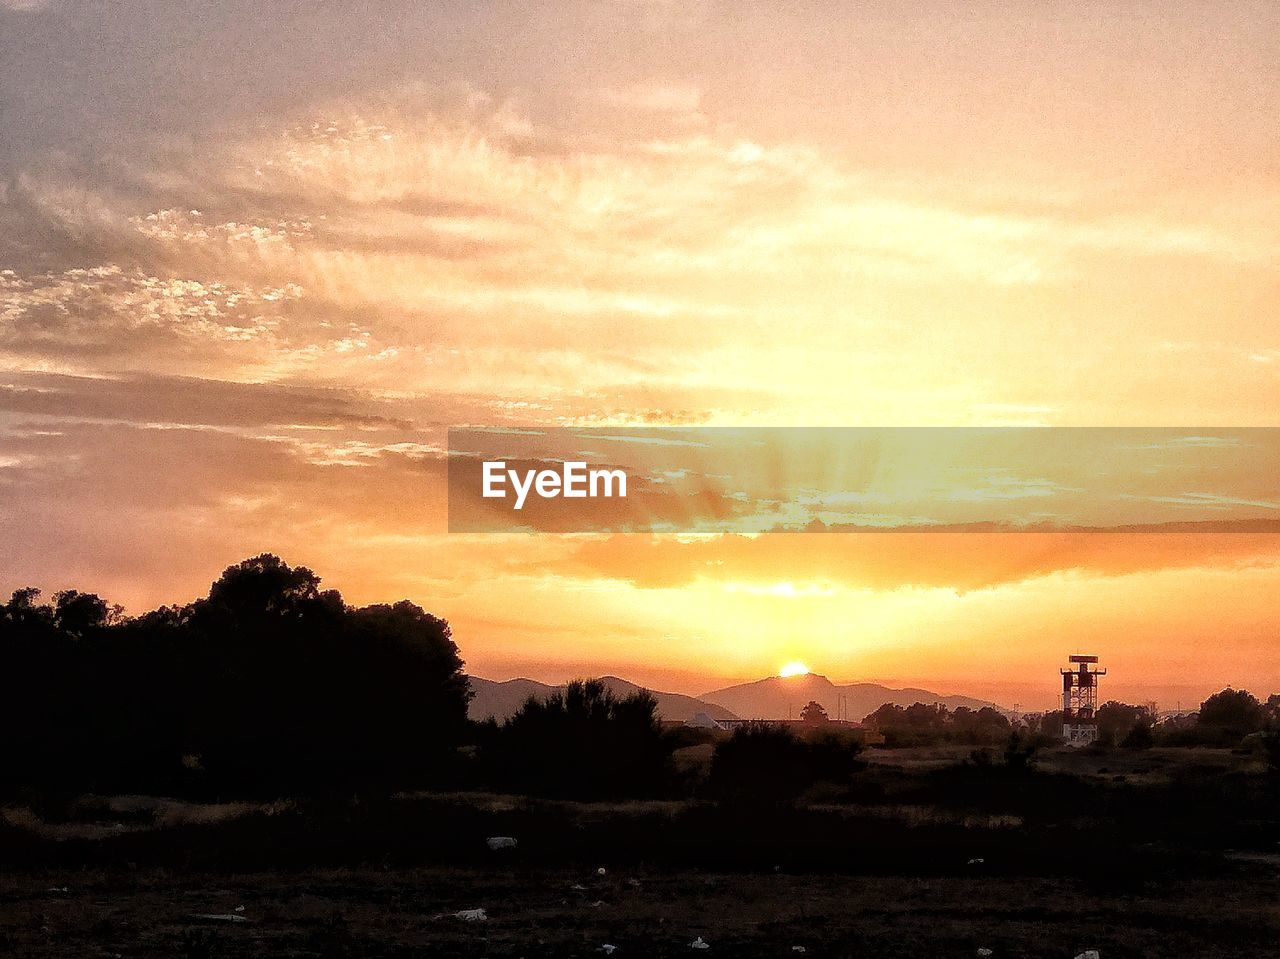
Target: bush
{"points": [[584, 743], [765, 762]]}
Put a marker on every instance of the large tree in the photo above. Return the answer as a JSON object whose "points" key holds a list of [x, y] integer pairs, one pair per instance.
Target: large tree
{"points": [[267, 684], [1234, 711]]}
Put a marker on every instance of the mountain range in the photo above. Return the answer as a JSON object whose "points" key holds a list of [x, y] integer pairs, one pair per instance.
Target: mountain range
{"points": [[774, 698], [780, 697], [500, 700]]}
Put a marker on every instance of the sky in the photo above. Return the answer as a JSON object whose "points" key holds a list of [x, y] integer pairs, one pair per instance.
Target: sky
{"points": [[253, 265]]}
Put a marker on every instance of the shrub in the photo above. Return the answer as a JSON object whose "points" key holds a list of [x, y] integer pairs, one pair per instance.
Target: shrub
{"points": [[765, 762], [583, 743]]}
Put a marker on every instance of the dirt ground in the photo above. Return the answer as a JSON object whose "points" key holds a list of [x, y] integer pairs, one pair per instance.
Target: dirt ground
{"points": [[140, 913], [295, 878]]}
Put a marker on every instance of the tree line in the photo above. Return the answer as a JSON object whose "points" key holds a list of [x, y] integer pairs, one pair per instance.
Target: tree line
{"points": [[268, 683], [1223, 719]]}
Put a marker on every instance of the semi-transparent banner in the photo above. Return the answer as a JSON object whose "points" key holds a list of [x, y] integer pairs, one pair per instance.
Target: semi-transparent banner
{"points": [[896, 479]]}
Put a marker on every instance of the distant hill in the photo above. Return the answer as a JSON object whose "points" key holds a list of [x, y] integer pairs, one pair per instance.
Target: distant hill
{"points": [[500, 700], [778, 697]]}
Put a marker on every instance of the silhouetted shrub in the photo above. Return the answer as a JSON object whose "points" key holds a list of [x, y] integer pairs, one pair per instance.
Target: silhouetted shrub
{"points": [[765, 762], [1020, 751], [582, 743], [1139, 737], [1271, 752]]}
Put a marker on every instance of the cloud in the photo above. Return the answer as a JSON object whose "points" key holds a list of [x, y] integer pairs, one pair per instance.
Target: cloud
{"points": [[189, 401], [445, 239], [960, 561]]}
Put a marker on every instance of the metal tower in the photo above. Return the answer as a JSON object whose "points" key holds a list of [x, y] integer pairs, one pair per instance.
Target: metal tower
{"points": [[1080, 699]]}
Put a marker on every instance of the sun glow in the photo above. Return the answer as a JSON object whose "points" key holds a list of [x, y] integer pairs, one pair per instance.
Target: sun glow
{"points": [[794, 669]]}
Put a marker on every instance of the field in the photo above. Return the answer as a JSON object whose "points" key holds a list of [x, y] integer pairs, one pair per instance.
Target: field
{"points": [[401, 913], [926, 855]]}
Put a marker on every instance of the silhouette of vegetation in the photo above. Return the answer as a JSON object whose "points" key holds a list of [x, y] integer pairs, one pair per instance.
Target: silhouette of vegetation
{"points": [[1139, 736], [584, 743], [924, 724], [1118, 723], [1224, 719], [814, 714], [1234, 712], [273, 685], [1049, 725], [768, 763], [1020, 751], [268, 684], [1271, 752]]}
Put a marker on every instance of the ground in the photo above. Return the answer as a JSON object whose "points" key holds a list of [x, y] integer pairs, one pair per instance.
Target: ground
{"points": [[137, 913], [927, 857]]}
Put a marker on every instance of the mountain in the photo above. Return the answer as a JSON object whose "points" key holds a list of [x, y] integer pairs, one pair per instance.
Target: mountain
{"points": [[500, 700], [778, 697]]}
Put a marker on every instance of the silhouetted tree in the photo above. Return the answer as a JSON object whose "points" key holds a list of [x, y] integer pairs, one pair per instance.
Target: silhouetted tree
{"points": [[1117, 722], [1234, 712], [1051, 724], [267, 684], [813, 713], [922, 723], [1272, 707], [78, 614], [985, 725]]}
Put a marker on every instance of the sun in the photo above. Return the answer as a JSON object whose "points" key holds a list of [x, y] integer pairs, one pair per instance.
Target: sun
{"points": [[795, 668]]}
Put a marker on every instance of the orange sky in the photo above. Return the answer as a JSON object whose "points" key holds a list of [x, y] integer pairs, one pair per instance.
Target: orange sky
{"points": [[251, 268]]}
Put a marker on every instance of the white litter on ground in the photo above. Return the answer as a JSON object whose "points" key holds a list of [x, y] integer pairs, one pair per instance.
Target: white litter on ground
{"points": [[1090, 954], [600, 871], [799, 949], [976, 862], [500, 842], [699, 943], [608, 948], [984, 951], [471, 915]]}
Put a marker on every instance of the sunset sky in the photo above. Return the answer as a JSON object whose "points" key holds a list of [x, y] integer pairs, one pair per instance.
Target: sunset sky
{"points": [[254, 265]]}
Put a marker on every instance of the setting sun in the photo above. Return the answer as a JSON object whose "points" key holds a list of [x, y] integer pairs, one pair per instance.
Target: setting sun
{"points": [[794, 669]]}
